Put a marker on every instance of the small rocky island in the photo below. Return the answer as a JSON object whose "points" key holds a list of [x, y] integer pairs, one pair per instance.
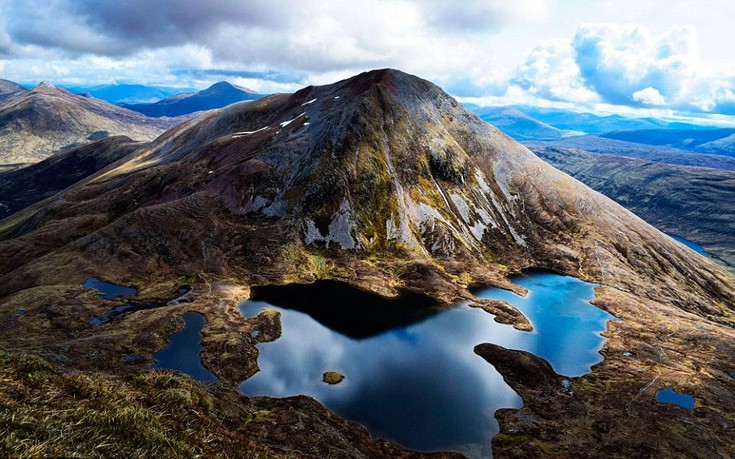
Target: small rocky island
{"points": [[332, 377]]}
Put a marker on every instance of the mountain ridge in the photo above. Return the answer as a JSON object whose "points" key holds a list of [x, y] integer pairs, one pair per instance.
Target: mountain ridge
{"points": [[36, 123], [218, 95]]}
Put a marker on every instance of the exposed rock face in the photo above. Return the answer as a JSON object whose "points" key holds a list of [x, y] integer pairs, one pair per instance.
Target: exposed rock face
{"points": [[36, 123], [521, 370], [381, 164]]}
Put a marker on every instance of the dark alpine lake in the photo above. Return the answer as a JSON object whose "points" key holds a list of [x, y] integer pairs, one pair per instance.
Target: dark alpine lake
{"points": [[410, 371], [109, 290], [182, 353]]}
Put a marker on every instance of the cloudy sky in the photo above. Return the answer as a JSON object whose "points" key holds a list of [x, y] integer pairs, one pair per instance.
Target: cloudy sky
{"points": [[662, 57]]}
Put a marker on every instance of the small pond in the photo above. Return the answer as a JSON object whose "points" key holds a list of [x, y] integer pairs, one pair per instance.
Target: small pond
{"points": [[669, 395], [411, 373], [109, 290], [696, 247], [182, 353]]}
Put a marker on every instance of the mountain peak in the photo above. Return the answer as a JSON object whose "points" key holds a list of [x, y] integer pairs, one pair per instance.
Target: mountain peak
{"points": [[226, 87], [49, 88], [390, 78]]}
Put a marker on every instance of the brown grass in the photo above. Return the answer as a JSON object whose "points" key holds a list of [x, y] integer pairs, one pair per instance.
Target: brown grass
{"points": [[45, 412]]}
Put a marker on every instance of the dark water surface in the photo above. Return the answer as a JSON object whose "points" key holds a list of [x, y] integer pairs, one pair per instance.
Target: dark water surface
{"points": [[411, 373], [669, 395], [109, 290], [182, 353]]}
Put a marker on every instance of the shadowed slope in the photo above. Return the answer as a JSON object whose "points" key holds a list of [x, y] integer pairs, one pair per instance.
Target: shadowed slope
{"points": [[23, 187]]}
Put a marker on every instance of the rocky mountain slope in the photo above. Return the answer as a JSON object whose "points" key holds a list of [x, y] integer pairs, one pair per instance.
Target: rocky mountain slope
{"points": [[218, 95], [385, 182], [696, 203], [8, 87], [34, 124], [379, 163]]}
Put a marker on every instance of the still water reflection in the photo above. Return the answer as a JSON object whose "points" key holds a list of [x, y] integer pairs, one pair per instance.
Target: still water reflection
{"points": [[416, 379], [182, 353]]}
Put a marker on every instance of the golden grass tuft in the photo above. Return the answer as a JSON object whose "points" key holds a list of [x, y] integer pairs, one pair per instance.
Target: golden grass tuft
{"points": [[46, 412]]}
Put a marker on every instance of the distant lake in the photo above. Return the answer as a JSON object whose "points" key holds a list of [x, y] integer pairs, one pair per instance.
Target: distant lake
{"points": [[696, 247], [411, 374]]}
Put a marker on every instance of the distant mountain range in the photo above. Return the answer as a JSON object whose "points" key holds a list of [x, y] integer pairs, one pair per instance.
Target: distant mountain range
{"points": [[519, 125], [216, 96], [129, 93], [34, 124], [595, 124], [647, 138], [713, 141], [535, 123], [598, 144]]}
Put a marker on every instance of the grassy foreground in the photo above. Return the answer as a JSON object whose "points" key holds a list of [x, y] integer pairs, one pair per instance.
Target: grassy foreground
{"points": [[45, 412]]}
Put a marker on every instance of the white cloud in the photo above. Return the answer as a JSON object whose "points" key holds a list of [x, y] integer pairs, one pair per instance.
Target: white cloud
{"points": [[549, 72], [649, 96], [627, 64], [264, 86], [471, 48]]}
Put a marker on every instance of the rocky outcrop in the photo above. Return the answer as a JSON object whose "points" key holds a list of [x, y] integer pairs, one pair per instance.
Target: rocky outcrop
{"points": [[522, 370]]}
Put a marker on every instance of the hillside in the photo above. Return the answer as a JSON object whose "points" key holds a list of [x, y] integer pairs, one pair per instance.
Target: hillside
{"points": [[384, 182], [597, 144], [34, 124], [216, 96], [714, 141], [693, 202], [8, 87], [23, 187]]}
